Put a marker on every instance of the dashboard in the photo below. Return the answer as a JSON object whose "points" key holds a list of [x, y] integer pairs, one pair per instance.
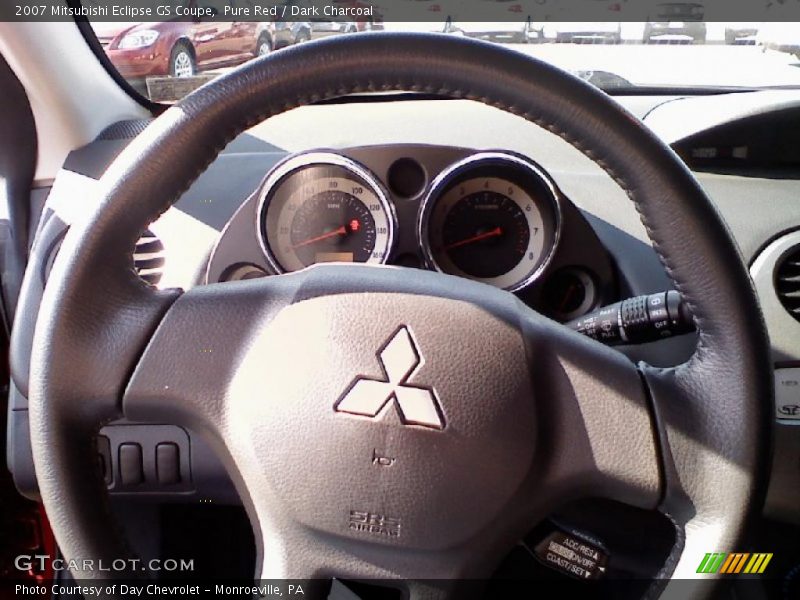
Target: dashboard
{"points": [[453, 186], [489, 215]]}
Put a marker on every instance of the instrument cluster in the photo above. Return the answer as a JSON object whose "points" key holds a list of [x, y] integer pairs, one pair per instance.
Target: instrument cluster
{"points": [[492, 216]]}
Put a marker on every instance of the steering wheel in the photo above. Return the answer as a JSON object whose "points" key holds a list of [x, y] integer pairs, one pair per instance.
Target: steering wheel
{"points": [[501, 415]]}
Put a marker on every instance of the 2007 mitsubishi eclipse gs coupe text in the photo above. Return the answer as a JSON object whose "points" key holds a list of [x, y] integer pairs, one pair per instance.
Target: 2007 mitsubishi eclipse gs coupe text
{"points": [[402, 315]]}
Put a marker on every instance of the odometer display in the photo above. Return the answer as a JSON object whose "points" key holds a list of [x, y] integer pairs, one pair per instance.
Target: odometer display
{"points": [[492, 218], [324, 208]]}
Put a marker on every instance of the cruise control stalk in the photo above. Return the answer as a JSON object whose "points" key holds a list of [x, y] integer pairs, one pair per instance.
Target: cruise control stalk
{"points": [[637, 320]]}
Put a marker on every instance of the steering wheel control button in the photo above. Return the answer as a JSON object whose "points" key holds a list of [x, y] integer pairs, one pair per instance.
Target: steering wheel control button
{"points": [[168, 464], [399, 358], [131, 471], [572, 555], [637, 320], [147, 459], [787, 394]]}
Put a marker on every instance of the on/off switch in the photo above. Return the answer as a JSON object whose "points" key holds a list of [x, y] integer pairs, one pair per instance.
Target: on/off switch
{"points": [[168, 464], [130, 464]]}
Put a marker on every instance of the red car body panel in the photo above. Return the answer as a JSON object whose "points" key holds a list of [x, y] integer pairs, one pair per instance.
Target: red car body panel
{"points": [[213, 43]]}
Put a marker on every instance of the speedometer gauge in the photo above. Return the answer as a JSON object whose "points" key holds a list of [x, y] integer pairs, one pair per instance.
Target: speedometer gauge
{"points": [[493, 217], [324, 207]]}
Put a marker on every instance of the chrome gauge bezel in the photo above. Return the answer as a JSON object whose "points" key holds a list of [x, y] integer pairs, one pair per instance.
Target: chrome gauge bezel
{"points": [[283, 170], [460, 171]]}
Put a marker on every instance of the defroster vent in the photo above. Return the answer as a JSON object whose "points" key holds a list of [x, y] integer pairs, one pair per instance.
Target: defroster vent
{"points": [[787, 281]]}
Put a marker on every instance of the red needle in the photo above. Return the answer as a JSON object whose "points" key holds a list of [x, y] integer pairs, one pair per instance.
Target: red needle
{"points": [[567, 297], [341, 231], [476, 238]]}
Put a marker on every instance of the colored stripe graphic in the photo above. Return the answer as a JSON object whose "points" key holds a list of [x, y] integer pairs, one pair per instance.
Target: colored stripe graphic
{"points": [[758, 563], [726, 565], [734, 563], [702, 567], [711, 562], [741, 562]]}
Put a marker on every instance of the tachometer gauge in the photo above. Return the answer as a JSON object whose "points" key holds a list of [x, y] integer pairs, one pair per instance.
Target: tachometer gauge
{"points": [[324, 207], [492, 217]]}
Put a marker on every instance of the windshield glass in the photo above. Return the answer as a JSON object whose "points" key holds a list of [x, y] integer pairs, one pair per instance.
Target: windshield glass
{"points": [[618, 45]]}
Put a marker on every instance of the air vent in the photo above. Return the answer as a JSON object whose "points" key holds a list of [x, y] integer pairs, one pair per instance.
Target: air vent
{"points": [[148, 258], [787, 281]]}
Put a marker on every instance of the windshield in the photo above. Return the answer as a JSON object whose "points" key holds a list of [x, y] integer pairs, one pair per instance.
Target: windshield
{"points": [[618, 45]]}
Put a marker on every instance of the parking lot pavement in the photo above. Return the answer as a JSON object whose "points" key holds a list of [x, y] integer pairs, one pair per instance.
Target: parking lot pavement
{"points": [[684, 65], [672, 64]]}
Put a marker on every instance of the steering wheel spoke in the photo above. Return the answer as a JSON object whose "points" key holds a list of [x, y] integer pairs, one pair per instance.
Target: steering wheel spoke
{"points": [[597, 436], [185, 371]]}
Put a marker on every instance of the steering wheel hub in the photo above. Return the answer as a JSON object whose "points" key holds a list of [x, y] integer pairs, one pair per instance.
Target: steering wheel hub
{"points": [[403, 418]]}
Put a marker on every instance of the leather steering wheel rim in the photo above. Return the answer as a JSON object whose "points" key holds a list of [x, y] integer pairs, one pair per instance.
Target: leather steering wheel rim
{"points": [[712, 413]]}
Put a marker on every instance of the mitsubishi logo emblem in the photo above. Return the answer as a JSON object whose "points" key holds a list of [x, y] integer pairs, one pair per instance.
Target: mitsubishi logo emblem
{"points": [[400, 357]]}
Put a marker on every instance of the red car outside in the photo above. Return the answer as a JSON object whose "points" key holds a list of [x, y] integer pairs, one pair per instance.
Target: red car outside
{"points": [[177, 48]]}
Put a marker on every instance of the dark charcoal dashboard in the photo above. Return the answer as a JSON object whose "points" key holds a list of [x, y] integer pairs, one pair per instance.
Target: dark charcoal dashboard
{"points": [[484, 196]]}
